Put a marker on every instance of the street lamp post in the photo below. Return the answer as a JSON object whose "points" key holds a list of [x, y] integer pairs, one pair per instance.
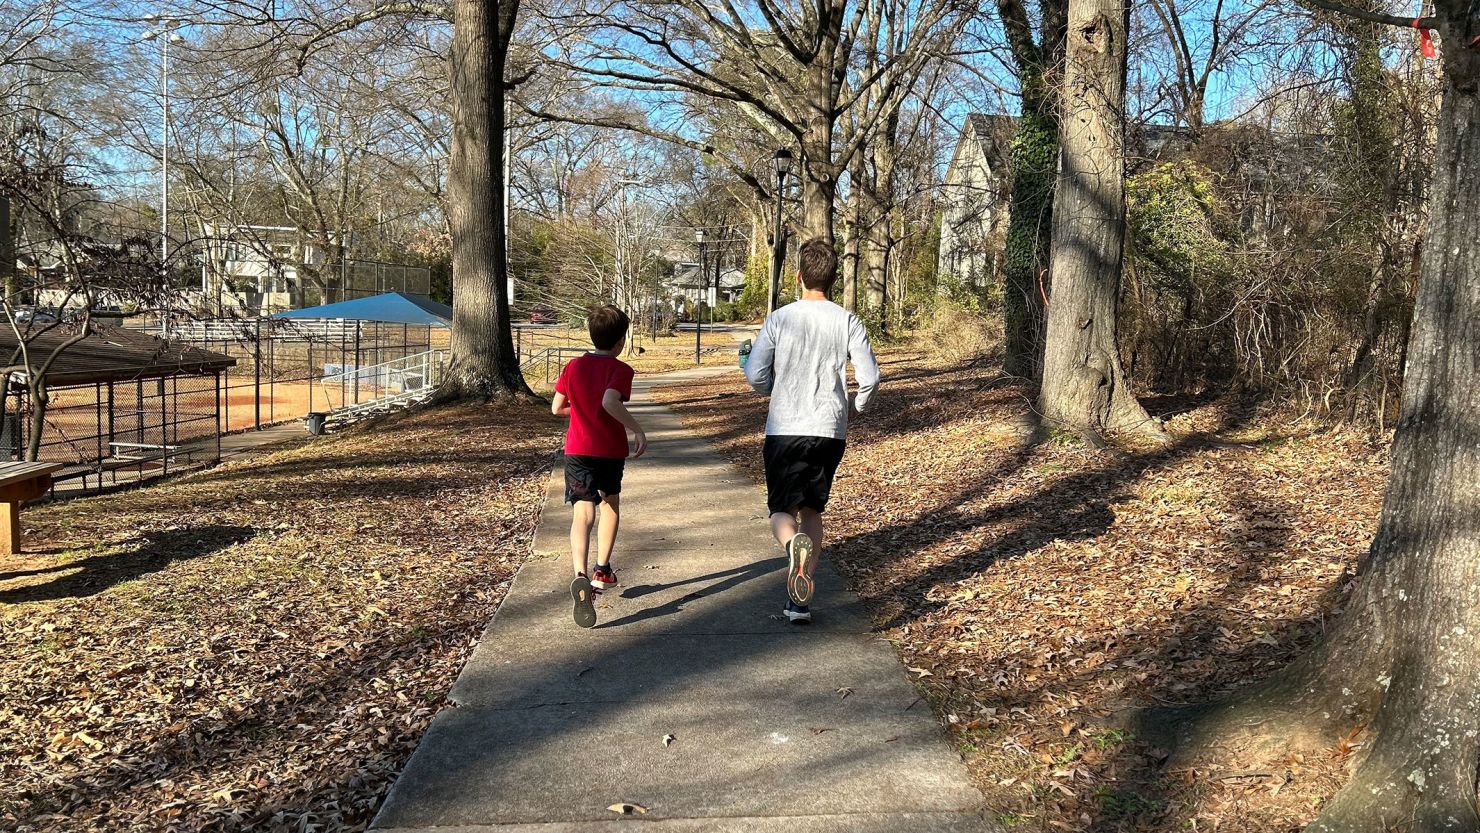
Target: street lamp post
{"points": [[698, 318], [165, 35], [782, 163]]}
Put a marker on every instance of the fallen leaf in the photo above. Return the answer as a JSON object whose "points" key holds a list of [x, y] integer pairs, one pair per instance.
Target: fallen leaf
{"points": [[627, 809]]}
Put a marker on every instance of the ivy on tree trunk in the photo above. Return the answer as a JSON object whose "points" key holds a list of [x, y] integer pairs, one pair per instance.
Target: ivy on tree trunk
{"points": [[1034, 165]]}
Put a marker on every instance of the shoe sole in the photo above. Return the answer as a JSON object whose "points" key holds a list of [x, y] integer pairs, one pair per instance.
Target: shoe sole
{"points": [[800, 554], [797, 618], [584, 595], [602, 586]]}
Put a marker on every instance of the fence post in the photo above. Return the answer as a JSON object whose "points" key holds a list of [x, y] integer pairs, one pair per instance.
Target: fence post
{"points": [[355, 386], [256, 378]]}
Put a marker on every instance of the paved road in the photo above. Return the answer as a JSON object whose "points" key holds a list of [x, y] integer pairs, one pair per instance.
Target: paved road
{"points": [[774, 727]]}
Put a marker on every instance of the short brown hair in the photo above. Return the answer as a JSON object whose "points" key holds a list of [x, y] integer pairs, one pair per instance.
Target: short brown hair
{"points": [[817, 264], [607, 326]]}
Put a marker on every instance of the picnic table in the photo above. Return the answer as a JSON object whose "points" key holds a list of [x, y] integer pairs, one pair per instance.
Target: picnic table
{"points": [[20, 482]]}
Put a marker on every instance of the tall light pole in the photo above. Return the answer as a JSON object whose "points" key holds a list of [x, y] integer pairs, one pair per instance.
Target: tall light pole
{"points": [[166, 35], [699, 319], [781, 162]]}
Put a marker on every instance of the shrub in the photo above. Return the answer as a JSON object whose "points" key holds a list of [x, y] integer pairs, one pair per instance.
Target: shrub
{"points": [[961, 334]]}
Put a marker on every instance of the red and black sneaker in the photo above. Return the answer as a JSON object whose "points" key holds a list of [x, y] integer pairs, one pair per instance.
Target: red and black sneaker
{"points": [[603, 577]]}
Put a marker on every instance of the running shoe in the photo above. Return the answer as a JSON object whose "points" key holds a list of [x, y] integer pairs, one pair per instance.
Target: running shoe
{"points": [[800, 554], [584, 596], [603, 577], [797, 614]]}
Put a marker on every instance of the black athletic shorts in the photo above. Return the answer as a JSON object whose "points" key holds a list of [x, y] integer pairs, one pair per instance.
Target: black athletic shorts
{"points": [[592, 478], [799, 472]]}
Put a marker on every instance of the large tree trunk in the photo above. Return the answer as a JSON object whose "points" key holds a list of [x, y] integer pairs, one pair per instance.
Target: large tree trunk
{"points": [[1405, 655], [1402, 665], [819, 173], [1084, 387], [483, 360], [1035, 152]]}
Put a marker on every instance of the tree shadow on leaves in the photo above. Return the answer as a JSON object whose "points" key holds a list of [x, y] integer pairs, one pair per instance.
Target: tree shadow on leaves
{"points": [[149, 553]]}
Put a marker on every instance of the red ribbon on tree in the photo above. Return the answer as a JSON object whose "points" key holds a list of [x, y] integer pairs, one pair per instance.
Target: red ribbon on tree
{"points": [[1425, 40]]}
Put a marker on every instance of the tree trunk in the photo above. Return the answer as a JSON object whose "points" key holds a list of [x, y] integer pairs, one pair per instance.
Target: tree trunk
{"points": [[1402, 665], [852, 247], [1035, 150], [876, 247], [1084, 387], [1423, 572], [877, 243], [7, 252], [819, 173], [483, 360]]}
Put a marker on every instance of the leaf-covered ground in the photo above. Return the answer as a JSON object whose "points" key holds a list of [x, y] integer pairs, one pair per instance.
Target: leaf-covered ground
{"points": [[1039, 591], [260, 646]]}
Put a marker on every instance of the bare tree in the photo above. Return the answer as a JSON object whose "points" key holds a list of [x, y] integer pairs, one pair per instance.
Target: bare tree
{"points": [[1203, 37], [785, 69]]}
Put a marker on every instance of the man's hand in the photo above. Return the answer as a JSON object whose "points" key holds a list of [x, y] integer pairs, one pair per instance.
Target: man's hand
{"points": [[639, 443]]}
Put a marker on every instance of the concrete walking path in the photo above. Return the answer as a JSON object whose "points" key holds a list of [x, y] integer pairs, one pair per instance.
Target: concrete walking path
{"points": [[775, 727]]}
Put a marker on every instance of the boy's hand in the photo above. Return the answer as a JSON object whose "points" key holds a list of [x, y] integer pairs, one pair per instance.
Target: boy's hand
{"points": [[639, 443]]}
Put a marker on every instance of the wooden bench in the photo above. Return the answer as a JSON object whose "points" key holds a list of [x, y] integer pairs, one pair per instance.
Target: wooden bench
{"points": [[20, 482]]}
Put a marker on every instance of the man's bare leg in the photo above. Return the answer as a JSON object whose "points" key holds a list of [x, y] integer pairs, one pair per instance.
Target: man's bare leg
{"points": [[812, 525], [582, 516], [784, 526]]}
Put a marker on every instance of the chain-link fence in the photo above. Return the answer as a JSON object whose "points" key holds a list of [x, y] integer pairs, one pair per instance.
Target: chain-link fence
{"points": [[286, 369], [117, 432]]}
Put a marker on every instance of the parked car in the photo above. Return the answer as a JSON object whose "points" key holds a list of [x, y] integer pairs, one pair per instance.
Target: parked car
{"points": [[30, 315]]}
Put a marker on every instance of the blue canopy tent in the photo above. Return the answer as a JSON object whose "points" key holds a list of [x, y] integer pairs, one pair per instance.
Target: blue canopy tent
{"points": [[362, 353], [390, 308]]}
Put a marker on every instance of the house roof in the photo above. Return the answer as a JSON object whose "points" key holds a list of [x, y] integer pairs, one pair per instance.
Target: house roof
{"points": [[109, 354], [390, 308], [993, 134]]}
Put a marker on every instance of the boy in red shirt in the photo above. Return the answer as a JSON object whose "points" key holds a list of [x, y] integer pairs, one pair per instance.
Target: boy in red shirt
{"points": [[591, 390]]}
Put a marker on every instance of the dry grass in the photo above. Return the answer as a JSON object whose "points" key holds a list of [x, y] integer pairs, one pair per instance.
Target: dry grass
{"points": [[1045, 589], [667, 353], [260, 646]]}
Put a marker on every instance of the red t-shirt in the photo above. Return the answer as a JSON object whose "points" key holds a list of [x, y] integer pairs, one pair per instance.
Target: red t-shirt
{"points": [[594, 432]]}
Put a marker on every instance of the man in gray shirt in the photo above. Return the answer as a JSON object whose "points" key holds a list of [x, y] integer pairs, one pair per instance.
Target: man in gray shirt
{"points": [[801, 359]]}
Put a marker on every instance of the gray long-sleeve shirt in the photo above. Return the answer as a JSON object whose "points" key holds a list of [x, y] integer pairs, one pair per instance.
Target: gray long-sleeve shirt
{"points": [[801, 359]]}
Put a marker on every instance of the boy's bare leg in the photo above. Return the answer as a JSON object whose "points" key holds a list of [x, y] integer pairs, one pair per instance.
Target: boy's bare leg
{"points": [[606, 533], [583, 514]]}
